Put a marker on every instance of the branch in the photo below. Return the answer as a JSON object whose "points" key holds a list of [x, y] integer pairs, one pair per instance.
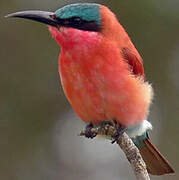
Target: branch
{"points": [[124, 141]]}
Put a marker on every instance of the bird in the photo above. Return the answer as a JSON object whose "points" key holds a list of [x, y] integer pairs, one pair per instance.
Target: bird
{"points": [[102, 73]]}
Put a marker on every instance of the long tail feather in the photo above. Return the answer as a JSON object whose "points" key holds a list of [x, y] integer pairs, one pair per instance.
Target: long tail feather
{"points": [[155, 161]]}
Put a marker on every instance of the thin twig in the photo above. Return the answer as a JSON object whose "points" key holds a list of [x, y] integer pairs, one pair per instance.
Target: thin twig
{"points": [[124, 141]]}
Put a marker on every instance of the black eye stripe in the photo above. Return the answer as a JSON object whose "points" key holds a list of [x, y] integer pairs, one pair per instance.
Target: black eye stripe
{"points": [[74, 20], [77, 19], [79, 23]]}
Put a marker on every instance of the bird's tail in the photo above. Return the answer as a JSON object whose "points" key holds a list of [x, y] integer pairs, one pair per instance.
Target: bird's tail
{"points": [[155, 161]]}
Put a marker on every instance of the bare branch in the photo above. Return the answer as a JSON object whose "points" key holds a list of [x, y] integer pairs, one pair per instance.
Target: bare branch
{"points": [[124, 141]]}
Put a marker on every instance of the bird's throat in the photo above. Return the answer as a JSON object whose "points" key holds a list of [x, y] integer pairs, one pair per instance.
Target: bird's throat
{"points": [[70, 38]]}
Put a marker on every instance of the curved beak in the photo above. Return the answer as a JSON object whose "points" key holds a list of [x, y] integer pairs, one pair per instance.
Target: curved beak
{"points": [[40, 16]]}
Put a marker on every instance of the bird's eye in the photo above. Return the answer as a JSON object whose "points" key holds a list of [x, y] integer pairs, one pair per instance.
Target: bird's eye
{"points": [[77, 20]]}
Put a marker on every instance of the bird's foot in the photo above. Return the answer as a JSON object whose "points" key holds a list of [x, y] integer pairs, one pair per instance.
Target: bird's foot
{"points": [[120, 129], [89, 133]]}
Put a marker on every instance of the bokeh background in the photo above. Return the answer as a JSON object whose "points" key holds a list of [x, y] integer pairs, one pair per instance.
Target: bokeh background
{"points": [[38, 129]]}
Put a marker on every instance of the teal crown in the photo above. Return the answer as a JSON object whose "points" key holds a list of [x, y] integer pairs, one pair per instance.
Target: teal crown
{"points": [[86, 11]]}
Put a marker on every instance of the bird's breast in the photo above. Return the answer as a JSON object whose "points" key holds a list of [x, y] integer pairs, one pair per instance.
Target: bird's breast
{"points": [[100, 87], [82, 87]]}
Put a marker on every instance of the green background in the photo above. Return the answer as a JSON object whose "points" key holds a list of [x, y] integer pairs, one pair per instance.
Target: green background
{"points": [[38, 130]]}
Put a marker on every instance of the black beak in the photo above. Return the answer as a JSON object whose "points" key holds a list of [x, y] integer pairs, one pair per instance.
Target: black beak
{"points": [[40, 16]]}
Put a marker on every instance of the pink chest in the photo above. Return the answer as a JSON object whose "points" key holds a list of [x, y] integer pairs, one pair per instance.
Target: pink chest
{"points": [[81, 88], [98, 84], [101, 88]]}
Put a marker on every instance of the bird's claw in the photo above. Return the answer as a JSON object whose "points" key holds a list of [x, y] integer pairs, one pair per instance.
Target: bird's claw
{"points": [[120, 129], [89, 133]]}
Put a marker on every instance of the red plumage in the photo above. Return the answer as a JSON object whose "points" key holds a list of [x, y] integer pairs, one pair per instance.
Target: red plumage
{"points": [[103, 78], [135, 63], [102, 73]]}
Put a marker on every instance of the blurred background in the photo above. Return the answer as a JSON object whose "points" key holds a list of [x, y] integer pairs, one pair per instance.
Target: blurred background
{"points": [[38, 129]]}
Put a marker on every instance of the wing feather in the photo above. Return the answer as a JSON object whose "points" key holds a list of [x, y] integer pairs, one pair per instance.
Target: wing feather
{"points": [[135, 62]]}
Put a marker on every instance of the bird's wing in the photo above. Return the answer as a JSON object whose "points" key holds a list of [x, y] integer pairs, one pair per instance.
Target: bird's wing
{"points": [[135, 63]]}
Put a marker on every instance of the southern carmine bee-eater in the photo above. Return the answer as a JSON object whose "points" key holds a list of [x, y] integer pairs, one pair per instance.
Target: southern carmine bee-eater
{"points": [[102, 73]]}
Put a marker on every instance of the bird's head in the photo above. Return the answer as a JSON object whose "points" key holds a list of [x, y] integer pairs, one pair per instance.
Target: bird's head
{"points": [[83, 16], [74, 22]]}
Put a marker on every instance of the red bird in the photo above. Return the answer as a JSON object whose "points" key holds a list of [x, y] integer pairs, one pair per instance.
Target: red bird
{"points": [[102, 72]]}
